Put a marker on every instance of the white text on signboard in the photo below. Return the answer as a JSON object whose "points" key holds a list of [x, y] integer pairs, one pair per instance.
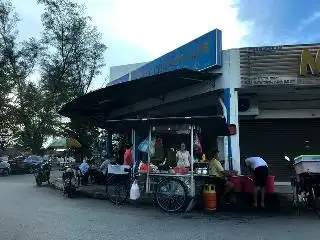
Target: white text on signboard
{"points": [[268, 80]]}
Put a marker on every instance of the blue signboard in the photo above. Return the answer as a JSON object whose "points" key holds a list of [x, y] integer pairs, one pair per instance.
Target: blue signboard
{"points": [[199, 54], [122, 79]]}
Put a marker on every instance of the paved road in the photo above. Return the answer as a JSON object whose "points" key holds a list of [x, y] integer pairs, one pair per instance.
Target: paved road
{"points": [[30, 213]]}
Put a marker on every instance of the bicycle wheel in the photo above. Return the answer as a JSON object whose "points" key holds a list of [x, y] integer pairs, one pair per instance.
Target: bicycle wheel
{"points": [[171, 195], [117, 190]]}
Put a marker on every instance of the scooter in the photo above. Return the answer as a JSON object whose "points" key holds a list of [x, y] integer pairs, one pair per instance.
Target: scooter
{"points": [[69, 182], [42, 173]]}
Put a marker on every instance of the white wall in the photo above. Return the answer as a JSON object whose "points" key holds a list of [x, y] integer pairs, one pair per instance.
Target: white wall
{"points": [[230, 70], [119, 71]]}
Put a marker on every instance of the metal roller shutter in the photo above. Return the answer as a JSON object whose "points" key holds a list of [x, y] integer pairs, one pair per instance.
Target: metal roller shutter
{"points": [[272, 139]]}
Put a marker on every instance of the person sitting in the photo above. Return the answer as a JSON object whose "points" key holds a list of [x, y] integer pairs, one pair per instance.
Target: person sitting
{"points": [[84, 170], [101, 176], [220, 176]]}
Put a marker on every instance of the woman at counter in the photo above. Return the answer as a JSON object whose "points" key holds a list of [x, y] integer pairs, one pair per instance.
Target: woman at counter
{"points": [[183, 157]]}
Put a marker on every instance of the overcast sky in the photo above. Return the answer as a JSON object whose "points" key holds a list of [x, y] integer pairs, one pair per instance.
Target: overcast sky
{"points": [[141, 30]]}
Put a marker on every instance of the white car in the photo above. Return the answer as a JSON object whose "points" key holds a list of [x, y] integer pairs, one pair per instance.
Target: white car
{"points": [[4, 168]]}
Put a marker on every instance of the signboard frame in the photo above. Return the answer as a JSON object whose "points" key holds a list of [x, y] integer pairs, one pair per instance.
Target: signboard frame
{"points": [[202, 53]]}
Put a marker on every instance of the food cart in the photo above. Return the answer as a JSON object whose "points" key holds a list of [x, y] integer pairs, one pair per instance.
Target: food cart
{"points": [[174, 188]]}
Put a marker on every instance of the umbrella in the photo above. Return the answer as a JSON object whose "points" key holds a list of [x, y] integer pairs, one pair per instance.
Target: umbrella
{"points": [[64, 143]]}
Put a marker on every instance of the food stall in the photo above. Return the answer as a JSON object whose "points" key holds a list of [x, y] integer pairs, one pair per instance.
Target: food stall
{"points": [[171, 149]]}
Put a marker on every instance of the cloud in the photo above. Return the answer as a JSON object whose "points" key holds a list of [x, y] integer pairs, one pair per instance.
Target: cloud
{"points": [[158, 27], [141, 30], [304, 23]]}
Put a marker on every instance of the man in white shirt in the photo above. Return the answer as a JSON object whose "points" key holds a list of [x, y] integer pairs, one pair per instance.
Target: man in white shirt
{"points": [[260, 176]]}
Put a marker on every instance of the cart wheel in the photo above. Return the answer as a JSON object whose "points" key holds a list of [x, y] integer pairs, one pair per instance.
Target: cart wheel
{"points": [[117, 191], [171, 195]]}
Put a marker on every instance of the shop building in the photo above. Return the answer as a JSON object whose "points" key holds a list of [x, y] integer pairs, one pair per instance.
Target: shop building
{"points": [[269, 94], [279, 104]]}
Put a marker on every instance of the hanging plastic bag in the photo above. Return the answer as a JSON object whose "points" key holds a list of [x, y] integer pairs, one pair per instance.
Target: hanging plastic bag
{"points": [[152, 149], [134, 191], [144, 146], [197, 144]]}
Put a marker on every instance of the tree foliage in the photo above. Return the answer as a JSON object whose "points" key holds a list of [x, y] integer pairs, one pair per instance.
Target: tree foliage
{"points": [[74, 53], [20, 102], [73, 58], [8, 21], [69, 56]]}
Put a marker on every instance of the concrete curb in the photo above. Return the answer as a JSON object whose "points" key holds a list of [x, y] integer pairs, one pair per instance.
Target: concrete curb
{"points": [[281, 203], [56, 184]]}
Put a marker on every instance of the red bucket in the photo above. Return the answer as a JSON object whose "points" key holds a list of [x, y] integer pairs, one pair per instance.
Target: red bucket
{"points": [[269, 188], [181, 170], [236, 180], [247, 182]]}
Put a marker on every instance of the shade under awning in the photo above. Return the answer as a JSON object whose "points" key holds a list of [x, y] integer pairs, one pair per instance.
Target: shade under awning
{"points": [[214, 124], [98, 104]]}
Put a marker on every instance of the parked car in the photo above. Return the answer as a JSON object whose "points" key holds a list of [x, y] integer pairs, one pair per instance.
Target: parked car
{"points": [[18, 165], [4, 168], [32, 161]]}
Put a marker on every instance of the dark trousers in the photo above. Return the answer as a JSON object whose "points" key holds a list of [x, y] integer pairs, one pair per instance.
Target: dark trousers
{"points": [[84, 179]]}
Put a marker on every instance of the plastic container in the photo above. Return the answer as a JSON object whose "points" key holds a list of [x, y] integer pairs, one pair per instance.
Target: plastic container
{"points": [[118, 169], [210, 197], [269, 188], [181, 170], [247, 184], [307, 164], [144, 168], [236, 180]]}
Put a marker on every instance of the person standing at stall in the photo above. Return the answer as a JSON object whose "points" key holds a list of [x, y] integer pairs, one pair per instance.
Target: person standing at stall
{"points": [[128, 160], [260, 176], [183, 157], [84, 170]]}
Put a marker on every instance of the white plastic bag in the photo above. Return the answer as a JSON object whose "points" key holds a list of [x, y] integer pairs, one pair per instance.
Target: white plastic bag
{"points": [[134, 191]]}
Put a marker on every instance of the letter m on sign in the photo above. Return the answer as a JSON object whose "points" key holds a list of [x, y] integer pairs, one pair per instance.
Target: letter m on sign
{"points": [[307, 60]]}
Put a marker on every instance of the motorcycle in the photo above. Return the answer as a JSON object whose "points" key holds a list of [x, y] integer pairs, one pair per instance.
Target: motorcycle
{"points": [[69, 182], [42, 173], [306, 190]]}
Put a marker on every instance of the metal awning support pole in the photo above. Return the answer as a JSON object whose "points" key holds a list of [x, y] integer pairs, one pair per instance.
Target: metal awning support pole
{"points": [[192, 161], [149, 161], [133, 141], [192, 187]]}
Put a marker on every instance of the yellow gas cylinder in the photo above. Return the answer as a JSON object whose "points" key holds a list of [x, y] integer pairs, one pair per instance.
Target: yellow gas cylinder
{"points": [[210, 197]]}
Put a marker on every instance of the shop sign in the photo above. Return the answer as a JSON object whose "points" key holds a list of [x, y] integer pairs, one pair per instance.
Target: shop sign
{"points": [[199, 54], [280, 65], [261, 51], [307, 60], [268, 80]]}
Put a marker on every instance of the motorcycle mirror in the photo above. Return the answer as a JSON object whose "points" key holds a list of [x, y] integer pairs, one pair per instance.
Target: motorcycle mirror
{"points": [[287, 158]]}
